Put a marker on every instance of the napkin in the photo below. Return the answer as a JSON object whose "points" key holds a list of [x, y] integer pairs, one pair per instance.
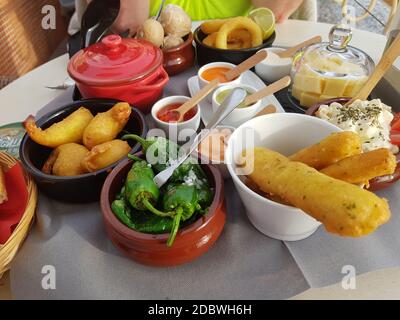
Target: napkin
{"points": [[12, 210]]}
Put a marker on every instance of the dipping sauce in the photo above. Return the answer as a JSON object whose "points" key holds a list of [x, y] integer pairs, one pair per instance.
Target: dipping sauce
{"points": [[214, 145], [166, 115], [224, 93], [216, 73]]}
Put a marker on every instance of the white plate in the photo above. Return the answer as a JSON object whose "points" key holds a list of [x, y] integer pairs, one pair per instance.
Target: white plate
{"points": [[249, 78]]}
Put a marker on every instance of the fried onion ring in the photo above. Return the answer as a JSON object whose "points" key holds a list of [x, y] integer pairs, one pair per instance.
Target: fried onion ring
{"points": [[239, 39], [212, 26], [221, 41], [210, 39]]}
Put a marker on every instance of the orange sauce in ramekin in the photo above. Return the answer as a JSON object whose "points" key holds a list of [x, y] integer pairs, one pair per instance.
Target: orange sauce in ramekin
{"points": [[215, 73]]}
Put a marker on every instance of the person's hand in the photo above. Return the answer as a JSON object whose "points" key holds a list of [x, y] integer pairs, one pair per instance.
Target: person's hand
{"points": [[132, 14], [282, 9]]}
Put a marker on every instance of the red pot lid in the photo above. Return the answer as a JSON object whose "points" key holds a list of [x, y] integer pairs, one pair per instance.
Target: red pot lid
{"points": [[115, 60]]}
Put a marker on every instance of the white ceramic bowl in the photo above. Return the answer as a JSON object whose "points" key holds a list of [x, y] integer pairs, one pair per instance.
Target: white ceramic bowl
{"points": [[176, 131], [273, 72], [203, 82], [285, 133], [239, 115], [220, 165]]}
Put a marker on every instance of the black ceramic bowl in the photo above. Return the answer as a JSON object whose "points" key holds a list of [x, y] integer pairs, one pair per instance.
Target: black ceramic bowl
{"points": [[206, 54], [85, 187]]}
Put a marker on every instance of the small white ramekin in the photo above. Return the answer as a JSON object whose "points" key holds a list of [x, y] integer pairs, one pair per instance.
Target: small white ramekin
{"points": [[203, 82], [239, 115], [273, 72], [176, 131]]}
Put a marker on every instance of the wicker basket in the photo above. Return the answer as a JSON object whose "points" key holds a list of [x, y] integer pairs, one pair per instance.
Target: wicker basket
{"points": [[10, 248]]}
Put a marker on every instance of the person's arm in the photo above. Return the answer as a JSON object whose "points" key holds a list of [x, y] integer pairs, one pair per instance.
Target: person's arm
{"points": [[131, 15], [282, 9]]}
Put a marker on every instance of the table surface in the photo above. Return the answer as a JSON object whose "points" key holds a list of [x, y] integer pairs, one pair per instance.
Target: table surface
{"points": [[28, 94]]}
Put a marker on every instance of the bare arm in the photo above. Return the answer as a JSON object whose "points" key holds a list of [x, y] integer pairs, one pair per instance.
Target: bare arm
{"points": [[131, 15], [281, 8]]}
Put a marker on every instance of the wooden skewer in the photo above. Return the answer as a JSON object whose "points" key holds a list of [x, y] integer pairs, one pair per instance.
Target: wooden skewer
{"points": [[288, 53], [246, 65], [386, 62], [267, 91], [195, 99]]}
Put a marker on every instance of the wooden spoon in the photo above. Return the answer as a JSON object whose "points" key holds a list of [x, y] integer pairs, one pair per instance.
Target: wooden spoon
{"points": [[246, 65], [386, 62], [266, 110], [267, 91], [192, 102], [288, 53]]}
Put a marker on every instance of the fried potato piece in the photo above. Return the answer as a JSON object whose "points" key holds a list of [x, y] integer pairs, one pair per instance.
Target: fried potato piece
{"points": [[3, 190], [68, 130], [212, 26], [344, 208], [210, 39], [221, 41], [333, 148], [65, 160], [106, 125], [363, 167], [105, 154]]}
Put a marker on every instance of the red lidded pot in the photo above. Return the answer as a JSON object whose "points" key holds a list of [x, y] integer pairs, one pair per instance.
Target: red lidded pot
{"points": [[124, 69]]}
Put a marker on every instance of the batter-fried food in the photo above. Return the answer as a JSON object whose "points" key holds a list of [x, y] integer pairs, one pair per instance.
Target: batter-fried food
{"points": [[344, 208], [221, 41], [106, 125], [105, 154], [212, 26], [363, 167], [239, 39], [68, 130], [66, 160], [335, 147], [3, 190], [210, 39]]}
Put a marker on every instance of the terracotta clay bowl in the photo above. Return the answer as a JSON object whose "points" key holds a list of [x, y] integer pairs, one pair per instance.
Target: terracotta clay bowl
{"points": [[151, 249], [85, 187], [180, 58], [378, 183]]}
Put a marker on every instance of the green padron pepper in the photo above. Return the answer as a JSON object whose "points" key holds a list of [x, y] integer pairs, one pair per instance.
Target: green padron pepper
{"points": [[159, 148], [139, 220], [140, 190], [183, 173], [183, 201]]}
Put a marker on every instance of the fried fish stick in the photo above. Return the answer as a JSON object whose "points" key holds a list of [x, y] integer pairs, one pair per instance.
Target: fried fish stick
{"points": [[66, 131], [335, 147], [344, 208], [363, 167]]}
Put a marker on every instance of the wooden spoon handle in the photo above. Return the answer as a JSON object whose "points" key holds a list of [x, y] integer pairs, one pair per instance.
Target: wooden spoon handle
{"points": [[266, 110], [200, 95], [246, 65], [267, 91], [386, 62], [288, 53]]}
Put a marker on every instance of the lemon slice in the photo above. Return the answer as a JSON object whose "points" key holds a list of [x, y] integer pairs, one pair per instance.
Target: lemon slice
{"points": [[265, 18]]}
